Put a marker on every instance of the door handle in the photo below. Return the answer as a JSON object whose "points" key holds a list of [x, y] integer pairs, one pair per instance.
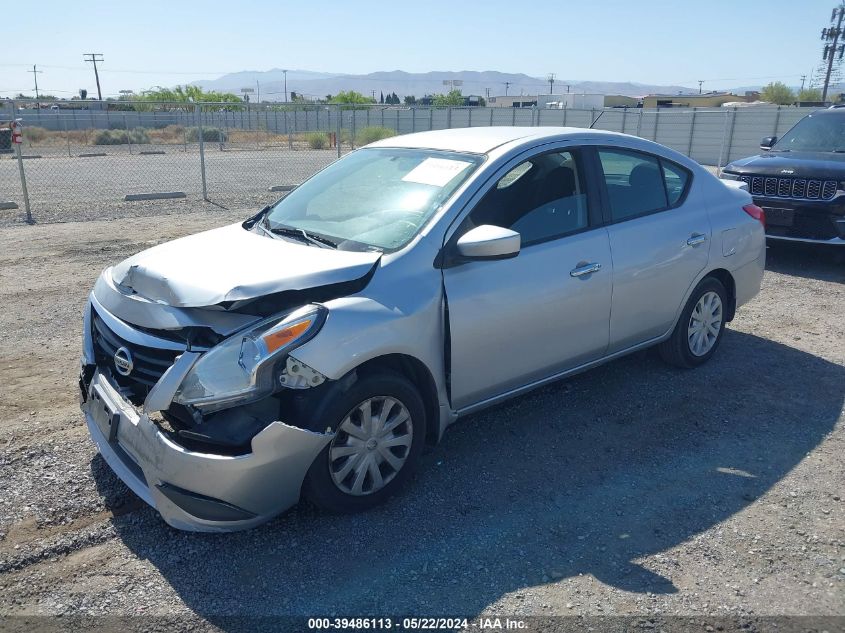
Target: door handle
{"points": [[585, 269], [696, 238]]}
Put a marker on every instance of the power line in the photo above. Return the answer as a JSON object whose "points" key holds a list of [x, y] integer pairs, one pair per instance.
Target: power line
{"points": [[94, 59]]}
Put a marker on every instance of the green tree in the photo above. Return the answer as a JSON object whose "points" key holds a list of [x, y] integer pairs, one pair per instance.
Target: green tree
{"points": [[453, 98], [381, 99], [810, 94], [350, 96], [187, 94], [778, 92], [410, 99]]}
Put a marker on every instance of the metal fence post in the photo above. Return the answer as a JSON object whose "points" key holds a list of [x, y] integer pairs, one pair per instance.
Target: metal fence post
{"points": [[491, 117], [339, 113], [730, 136], [67, 135], [656, 120], [29, 219], [128, 137], [449, 118], [288, 130], [722, 148], [639, 123], [352, 133], [691, 133], [413, 119], [624, 116], [777, 122], [198, 110]]}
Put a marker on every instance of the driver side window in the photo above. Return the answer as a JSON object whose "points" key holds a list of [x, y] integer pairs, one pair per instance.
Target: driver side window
{"points": [[542, 199]]}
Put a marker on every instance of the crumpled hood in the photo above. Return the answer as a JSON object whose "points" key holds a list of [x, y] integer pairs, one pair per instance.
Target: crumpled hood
{"points": [[233, 264]]}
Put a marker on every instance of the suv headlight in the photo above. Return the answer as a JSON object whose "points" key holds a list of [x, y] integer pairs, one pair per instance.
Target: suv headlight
{"points": [[244, 366], [726, 176]]}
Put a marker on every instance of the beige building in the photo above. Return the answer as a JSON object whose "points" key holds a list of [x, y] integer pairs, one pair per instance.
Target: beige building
{"points": [[620, 101], [513, 101], [705, 100]]}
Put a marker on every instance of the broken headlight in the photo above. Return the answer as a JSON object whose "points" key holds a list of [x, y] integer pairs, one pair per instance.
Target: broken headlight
{"points": [[243, 367]]}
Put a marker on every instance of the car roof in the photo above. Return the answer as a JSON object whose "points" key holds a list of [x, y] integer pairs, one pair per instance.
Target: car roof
{"points": [[481, 140]]}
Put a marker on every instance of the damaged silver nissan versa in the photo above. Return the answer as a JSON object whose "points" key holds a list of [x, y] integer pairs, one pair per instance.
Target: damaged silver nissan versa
{"points": [[316, 348]]}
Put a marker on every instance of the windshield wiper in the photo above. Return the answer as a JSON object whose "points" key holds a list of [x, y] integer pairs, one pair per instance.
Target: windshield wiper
{"points": [[313, 238]]}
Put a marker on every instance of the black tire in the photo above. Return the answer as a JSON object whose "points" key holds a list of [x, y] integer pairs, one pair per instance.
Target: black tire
{"points": [[319, 486], [676, 350]]}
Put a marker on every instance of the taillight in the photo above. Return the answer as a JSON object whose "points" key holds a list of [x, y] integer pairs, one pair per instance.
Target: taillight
{"points": [[756, 212]]}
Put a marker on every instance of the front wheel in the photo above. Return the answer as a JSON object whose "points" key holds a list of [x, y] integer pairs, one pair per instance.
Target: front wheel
{"points": [[379, 434], [700, 327]]}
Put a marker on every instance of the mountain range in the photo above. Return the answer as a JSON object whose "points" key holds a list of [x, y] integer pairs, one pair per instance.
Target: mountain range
{"points": [[318, 84]]}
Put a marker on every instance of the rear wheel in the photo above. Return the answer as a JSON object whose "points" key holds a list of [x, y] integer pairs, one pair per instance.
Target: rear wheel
{"points": [[699, 329], [380, 432]]}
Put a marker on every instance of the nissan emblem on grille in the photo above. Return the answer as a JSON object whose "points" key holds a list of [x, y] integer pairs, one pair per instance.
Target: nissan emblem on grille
{"points": [[123, 362]]}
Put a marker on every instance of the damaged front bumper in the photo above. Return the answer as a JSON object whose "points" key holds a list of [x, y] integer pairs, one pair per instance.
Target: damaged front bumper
{"points": [[193, 490]]}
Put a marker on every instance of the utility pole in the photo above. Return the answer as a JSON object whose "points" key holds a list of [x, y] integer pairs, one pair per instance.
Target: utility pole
{"points": [[286, 85], [507, 85], [700, 82], [95, 57], [831, 37], [35, 72], [487, 90], [551, 80], [803, 79], [258, 92]]}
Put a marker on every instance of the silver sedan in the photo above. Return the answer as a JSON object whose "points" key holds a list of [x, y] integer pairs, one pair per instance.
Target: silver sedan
{"points": [[317, 347]]}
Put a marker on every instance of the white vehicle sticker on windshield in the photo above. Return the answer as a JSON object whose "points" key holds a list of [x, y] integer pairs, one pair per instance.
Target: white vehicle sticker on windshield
{"points": [[435, 171]]}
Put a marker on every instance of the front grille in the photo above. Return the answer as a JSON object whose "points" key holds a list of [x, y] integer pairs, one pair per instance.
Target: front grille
{"points": [[799, 188], [149, 363]]}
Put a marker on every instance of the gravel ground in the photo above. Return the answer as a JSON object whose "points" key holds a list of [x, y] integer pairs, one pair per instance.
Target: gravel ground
{"points": [[64, 189], [634, 489]]}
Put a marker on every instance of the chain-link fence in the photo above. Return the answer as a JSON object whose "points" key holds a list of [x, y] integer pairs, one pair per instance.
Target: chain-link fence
{"points": [[81, 157]]}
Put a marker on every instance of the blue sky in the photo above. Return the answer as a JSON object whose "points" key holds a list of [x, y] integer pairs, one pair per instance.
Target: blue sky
{"points": [[726, 42]]}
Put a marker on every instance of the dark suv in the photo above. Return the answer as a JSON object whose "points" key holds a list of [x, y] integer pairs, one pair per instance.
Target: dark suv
{"points": [[800, 180]]}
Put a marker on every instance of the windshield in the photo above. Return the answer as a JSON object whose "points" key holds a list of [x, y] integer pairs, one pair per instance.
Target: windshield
{"points": [[815, 133], [373, 197]]}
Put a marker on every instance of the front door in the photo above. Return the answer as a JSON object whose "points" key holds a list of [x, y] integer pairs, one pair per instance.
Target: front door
{"points": [[515, 321]]}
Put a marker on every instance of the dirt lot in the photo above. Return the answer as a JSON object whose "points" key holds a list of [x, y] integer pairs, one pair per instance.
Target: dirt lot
{"points": [[632, 489]]}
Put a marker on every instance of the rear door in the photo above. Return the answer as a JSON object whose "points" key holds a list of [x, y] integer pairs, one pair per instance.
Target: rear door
{"points": [[516, 321], [659, 238]]}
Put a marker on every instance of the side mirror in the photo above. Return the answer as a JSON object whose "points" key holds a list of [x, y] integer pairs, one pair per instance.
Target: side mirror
{"points": [[768, 142], [489, 242]]}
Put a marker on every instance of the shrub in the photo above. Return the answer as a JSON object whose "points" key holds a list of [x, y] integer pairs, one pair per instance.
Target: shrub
{"points": [[119, 137], [317, 140], [209, 135], [368, 135], [34, 134]]}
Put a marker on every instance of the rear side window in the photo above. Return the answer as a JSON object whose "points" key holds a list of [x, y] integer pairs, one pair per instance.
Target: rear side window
{"points": [[638, 184], [676, 178]]}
